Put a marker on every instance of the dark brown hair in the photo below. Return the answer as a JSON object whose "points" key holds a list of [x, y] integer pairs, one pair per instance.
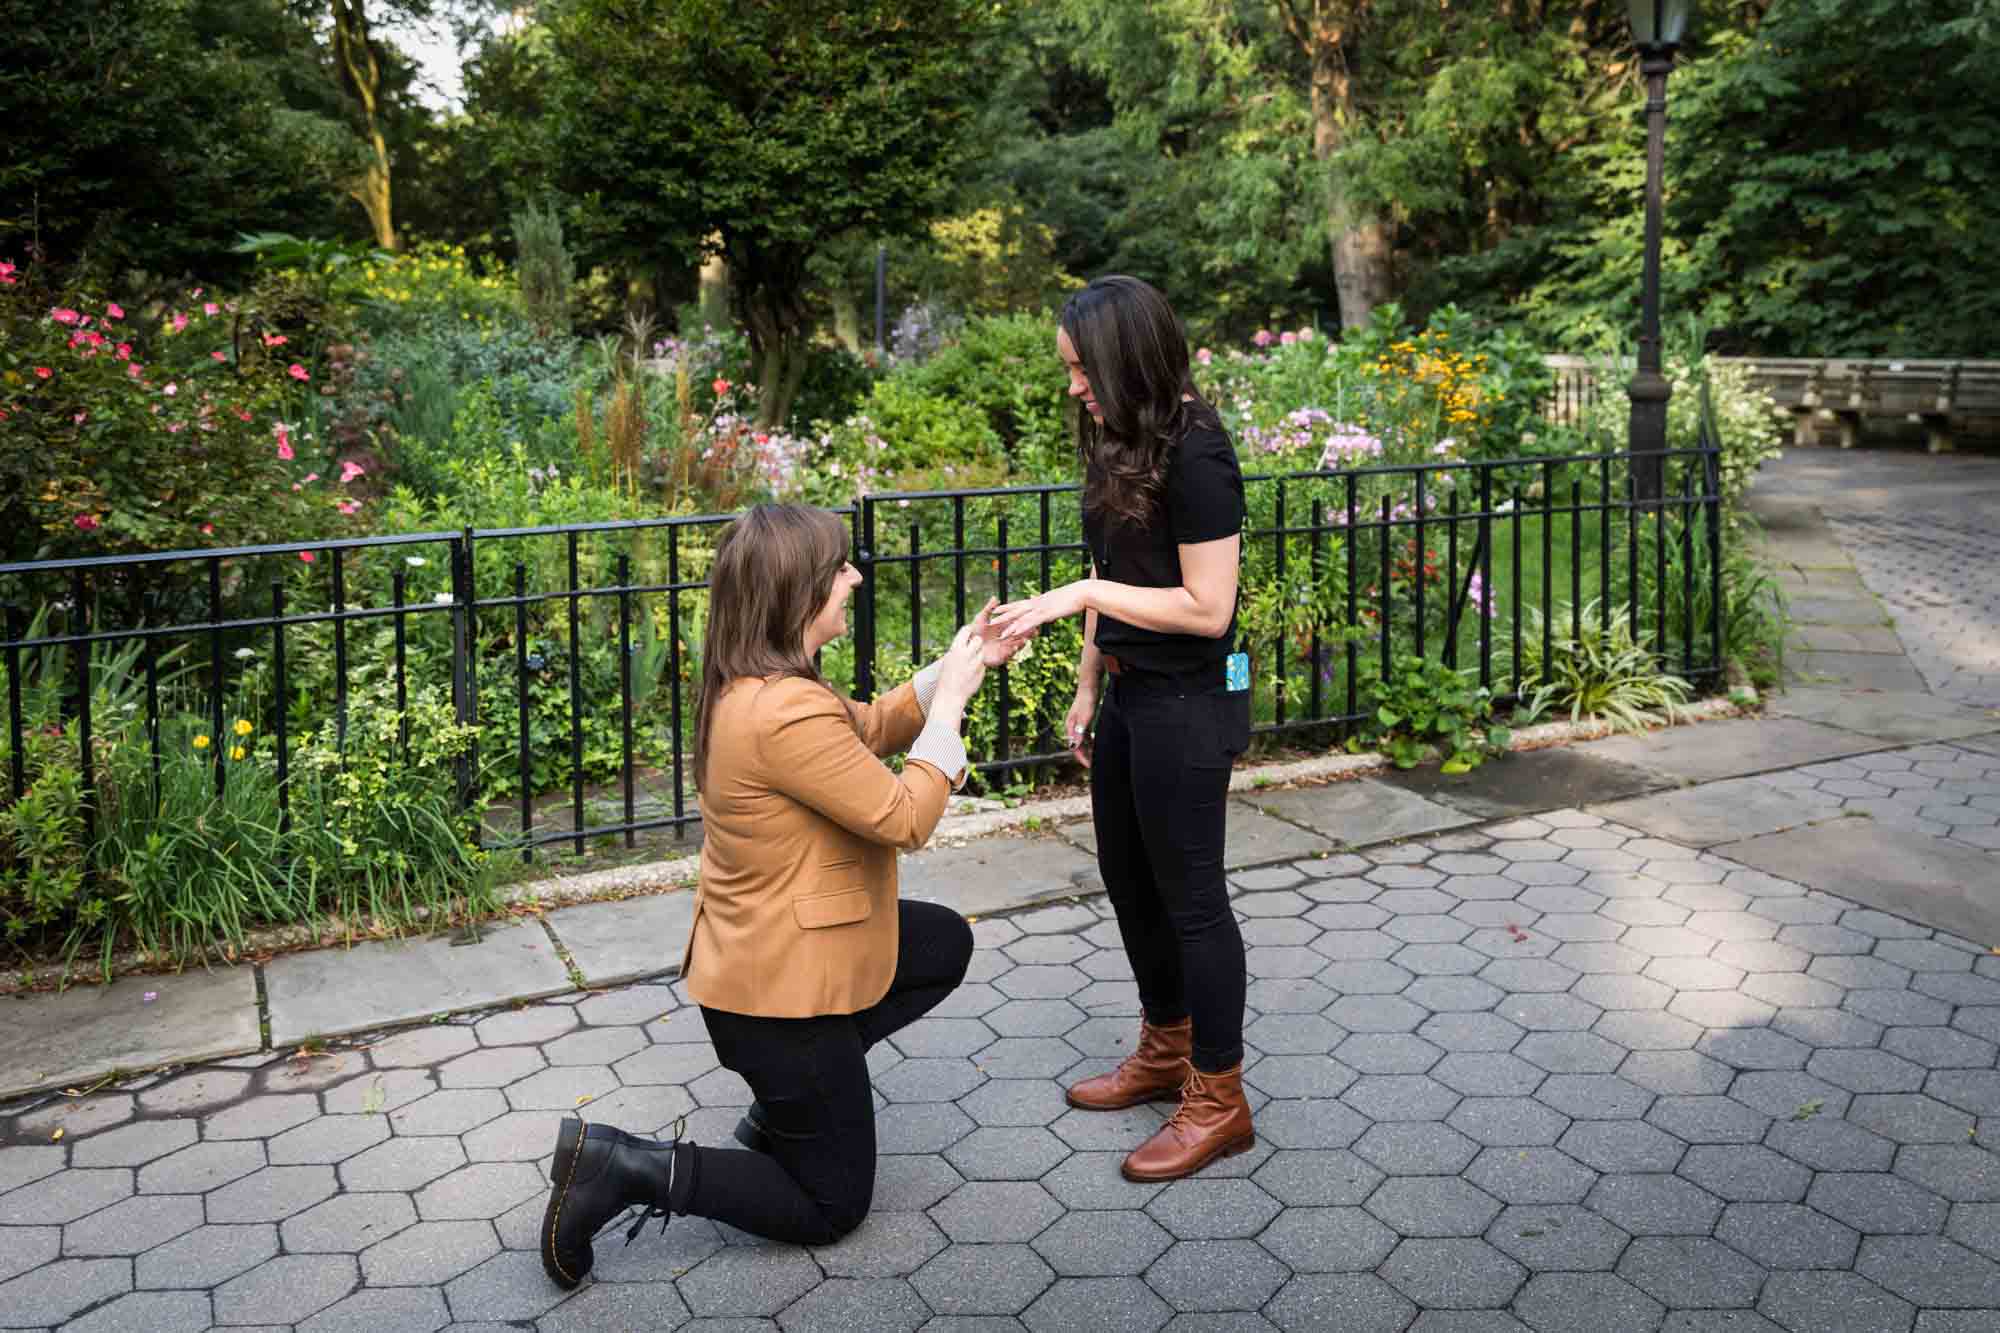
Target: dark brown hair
{"points": [[773, 572], [1134, 352]]}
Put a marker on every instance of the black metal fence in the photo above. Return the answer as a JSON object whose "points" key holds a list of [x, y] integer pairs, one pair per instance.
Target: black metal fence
{"points": [[576, 649]]}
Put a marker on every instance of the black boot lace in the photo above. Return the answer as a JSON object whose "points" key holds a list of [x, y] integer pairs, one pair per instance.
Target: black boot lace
{"points": [[658, 1208]]}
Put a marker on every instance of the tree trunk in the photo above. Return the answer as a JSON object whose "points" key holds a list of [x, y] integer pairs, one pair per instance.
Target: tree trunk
{"points": [[1361, 250], [361, 75], [780, 329], [715, 288], [847, 319]]}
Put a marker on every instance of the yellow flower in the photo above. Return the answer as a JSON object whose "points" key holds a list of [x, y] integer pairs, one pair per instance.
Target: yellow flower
{"points": [[243, 727], [236, 752], [201, 742]]}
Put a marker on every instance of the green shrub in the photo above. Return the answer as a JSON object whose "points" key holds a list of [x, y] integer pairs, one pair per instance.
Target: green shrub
{"points": [[1424, 704], [1006, 366], [117, 437], [1748, 424], [899, 430], [833, 386], [1595, 667], [543, 267], [376, 841]]}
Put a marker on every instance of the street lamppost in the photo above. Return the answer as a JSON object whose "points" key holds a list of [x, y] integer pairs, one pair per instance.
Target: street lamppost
{"points": [[1657, 29]]}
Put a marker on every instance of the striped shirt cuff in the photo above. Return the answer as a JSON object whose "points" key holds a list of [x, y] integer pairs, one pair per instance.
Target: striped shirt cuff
{"points": [[940, 746], [927, 682]]}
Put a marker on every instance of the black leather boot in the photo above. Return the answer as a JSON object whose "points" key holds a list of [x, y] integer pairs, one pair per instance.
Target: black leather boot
{"points": [[598, 1172]]}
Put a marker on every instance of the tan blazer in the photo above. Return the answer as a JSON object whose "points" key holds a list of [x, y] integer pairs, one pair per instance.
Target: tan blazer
{"points": [[795, 914]]}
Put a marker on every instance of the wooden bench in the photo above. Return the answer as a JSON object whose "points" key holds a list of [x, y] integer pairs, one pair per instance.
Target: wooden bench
{"points": [[1835, 397], [1841, 395]]}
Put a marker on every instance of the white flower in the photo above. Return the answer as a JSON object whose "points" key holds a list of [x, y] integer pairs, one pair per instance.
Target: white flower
{"points": [[442, 599], [415, 561], [245, 654]]}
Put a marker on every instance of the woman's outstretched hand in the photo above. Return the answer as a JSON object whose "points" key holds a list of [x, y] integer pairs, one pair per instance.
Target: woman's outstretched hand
{"points": [[998, 650], [1018, 620]]}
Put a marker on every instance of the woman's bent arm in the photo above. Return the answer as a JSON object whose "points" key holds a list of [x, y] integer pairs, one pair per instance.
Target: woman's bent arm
{"points": [[811, 753]]}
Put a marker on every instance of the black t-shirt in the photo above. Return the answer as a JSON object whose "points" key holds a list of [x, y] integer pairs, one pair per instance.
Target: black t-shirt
{"points": [[1202, 501]]}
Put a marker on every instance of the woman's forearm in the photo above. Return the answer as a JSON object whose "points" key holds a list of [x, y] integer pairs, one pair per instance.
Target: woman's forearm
{"points": [[1163, 610]]}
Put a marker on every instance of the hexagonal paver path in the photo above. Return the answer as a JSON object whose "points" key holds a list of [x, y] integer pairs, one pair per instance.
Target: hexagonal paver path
{"points": [[1550, 1073]]}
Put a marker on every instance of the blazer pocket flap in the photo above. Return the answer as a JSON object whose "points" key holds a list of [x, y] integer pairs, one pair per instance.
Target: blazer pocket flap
{"points": [[832, 909]]}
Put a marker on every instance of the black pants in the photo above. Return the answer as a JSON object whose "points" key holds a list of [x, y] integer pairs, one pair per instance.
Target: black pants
{"points": [[810, 1076], [1159, 786]]}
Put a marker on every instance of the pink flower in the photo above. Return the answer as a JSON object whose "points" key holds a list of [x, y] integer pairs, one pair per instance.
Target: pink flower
{"points": [[349, 470], [135, 370], [275, 340], [63, 316], [312, 476], [112, 310], [208, 529], [1204, 356], [243, 416], [6, 273], [43, 372], [285, 453], [179, 321], [79, 418], [217, 356], [195, 295], [1288, 337], [721, 386], [297, 372], [211, 308], [171, 389], [1261, 337], [349, 506], [306, 556], [124, 351], [1305, 335], [86, 522]]}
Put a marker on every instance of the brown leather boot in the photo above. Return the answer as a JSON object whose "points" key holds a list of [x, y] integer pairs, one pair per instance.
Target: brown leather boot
{"points": [[1153, 1073], [1214, 1121]]}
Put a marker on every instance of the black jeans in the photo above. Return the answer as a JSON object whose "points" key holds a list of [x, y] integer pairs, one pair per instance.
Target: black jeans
{"points": [[1159, 786], [810, 1076]]}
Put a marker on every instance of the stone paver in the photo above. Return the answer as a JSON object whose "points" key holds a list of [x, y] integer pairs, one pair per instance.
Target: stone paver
{"points": [[133, 1023], [331, 992]]}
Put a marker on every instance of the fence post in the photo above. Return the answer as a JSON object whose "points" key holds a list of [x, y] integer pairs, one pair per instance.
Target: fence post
{"points": [[79, 596], [625, 688], [1278, 672], [16, 741], [461, 660], [864, 611]]}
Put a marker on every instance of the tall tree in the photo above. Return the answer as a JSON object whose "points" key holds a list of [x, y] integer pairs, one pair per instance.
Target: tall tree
{"points": [[1325, 31], [359, 63], [761, 125], [150, 133], [769, 124]]}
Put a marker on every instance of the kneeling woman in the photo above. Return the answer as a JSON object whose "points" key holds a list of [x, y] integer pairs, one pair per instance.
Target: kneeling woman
{"points": [[801, 956]]}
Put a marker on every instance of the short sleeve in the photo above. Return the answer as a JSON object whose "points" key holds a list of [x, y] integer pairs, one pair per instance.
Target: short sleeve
{"points": [[1204, 488]]}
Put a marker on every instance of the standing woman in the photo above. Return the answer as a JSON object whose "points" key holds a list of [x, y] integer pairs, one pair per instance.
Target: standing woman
{"points": [[1163, 515], [801, 955]]}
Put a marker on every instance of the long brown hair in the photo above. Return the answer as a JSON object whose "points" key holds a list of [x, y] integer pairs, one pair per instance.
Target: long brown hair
{"points": [[773, 572], [1134, 352]]}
